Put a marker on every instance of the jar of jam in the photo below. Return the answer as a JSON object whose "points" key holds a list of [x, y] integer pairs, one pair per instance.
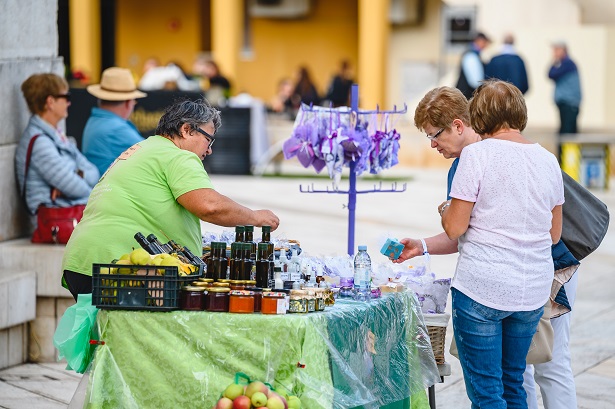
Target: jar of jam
{"points": [[286, 296], [258, 296], [273, 303], [238, 285], [241, 302], [192, 298], [217, 299]]}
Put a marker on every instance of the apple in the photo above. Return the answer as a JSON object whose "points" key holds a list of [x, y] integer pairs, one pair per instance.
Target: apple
{"points": [[233, 390], [259, 399], [294, 402], [224, 403], [276, 402], [242, 402], [256, 386]]}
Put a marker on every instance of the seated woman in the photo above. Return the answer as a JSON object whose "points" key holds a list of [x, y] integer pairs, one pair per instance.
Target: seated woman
{"points": [[58, 175], [157, 186], [506, 211]]}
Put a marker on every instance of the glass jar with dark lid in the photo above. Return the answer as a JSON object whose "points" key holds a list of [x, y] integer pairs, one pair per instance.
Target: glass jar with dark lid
{"points": [[258, 296], [192, 298], [217, 299]]}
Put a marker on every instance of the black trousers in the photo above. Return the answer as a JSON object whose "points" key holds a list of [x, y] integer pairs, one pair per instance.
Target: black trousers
{"points": [[78, 283], [568, 118]]}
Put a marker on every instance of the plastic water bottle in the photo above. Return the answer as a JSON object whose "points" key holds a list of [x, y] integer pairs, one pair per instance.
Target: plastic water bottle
{"points": [[362, 275]]}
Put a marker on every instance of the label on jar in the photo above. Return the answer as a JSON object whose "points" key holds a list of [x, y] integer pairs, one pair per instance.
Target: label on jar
{"points": [[281, 307]]}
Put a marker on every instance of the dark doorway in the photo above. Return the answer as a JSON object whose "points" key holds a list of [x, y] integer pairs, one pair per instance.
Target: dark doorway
{"points": [[64, 35], [107, 33]]}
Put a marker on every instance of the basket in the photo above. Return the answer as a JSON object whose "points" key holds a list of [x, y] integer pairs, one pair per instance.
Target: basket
{"points": [[149, 288], [437, 336], [436, 329]]}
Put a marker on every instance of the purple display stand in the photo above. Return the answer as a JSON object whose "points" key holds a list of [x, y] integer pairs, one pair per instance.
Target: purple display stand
{"points": [[352, 188]]}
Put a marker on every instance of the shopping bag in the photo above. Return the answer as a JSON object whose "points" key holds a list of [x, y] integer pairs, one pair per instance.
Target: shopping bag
{"points": [[586, 219], [75, 330]]}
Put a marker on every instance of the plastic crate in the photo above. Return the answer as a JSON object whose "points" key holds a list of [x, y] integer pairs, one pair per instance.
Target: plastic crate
{"points": [[147, 290]]}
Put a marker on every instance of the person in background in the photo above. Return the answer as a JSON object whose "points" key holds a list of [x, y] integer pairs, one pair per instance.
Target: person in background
{"points": [[282, 101], [58, 174], [157, 186], [567, 93], [305, 90], [508, 66], [215, 79], [339, 90], [443, 113], [472, 68], [108, 132]]}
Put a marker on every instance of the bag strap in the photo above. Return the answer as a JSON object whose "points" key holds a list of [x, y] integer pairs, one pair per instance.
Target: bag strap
{"points": [[28, 155]]}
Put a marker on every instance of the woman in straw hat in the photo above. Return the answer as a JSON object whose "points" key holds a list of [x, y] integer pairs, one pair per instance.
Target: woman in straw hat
{"points": [[157, 186], [58, 174]]}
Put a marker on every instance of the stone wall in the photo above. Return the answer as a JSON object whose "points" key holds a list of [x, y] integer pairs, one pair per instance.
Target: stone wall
{"points": [[28, 45]]}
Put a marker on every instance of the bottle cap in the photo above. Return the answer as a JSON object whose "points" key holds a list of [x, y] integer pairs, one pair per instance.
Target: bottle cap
{"points": [[262, 246], [240, 228], [249, 228], [363, 248], [266, 229]]}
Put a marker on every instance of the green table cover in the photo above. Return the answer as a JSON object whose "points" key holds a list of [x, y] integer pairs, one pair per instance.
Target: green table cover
{"points": [[353, 354]]}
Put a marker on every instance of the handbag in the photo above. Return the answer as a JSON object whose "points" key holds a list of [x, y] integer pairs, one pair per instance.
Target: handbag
{"points": [[586, 219], [542, 342], [54, 224]]}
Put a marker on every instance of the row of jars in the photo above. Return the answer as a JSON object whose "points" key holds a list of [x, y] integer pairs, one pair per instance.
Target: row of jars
{"points": [[241, 296]]}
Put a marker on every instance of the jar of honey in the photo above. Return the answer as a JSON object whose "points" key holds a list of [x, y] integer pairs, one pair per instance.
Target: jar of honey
{"points": [[241, 302], [192, 298], [273, 303], [217, 299]]}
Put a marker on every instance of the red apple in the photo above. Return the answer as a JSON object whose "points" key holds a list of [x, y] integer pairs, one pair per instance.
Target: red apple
{"points": [[256, 386], [276, 402], [224, 403], [242, 402], [233, 390], [259, 399]]}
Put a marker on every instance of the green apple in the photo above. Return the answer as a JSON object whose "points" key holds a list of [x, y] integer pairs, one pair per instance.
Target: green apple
{"points": [[275, 402], [259, 399], [140, 257], [293, 402], [233, 391]]}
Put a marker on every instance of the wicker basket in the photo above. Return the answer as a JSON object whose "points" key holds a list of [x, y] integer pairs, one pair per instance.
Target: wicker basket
{"points": [[437, 336], [436, 329]]}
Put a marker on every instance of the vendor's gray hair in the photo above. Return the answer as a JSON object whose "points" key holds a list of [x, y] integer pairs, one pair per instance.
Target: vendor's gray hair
{"points": [[193, 113]]}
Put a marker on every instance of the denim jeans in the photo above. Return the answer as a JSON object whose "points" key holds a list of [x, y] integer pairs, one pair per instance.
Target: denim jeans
{"points": [[492, 347]]}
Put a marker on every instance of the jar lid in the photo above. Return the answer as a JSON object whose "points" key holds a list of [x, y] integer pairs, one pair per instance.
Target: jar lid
{"points": [[193, 288], [223, 280], [255, 289], [220, 285], [218, 289], [266, 290], [274, 295], [206, 280], [298, 292], [250, 282], [201, 284], [237, 281], [242, 293]]}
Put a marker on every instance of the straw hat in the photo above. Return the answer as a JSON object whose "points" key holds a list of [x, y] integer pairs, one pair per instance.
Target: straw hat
{"points": [[116, 84]]}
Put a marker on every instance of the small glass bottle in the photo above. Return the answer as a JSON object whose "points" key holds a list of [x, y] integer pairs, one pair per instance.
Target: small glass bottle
{"points": [[222, 262], [249, 238], [263, 266], [266, 238], [246, 262], [239, 238]]}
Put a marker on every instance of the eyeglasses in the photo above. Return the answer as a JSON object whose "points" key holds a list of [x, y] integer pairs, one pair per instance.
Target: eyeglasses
{"points": [[65, 96], [210, 137], [431, 138]]}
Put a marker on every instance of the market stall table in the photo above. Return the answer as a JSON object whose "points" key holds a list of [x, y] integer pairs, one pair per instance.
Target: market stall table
{"points": [[353, 354]]}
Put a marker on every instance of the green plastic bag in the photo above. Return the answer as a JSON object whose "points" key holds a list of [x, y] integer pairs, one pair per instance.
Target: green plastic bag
{"points": [[75, 330]]}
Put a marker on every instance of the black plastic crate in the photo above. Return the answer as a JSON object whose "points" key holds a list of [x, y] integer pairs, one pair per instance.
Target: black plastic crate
{"points": [[147, 290]]}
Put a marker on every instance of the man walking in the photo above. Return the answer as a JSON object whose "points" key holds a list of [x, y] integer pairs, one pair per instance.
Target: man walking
{"points": [[567, 94], [508, 66], [472, 68]]}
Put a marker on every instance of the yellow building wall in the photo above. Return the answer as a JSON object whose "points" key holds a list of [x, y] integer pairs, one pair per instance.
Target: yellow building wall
{"points": [[319, 41], [157, 28]]}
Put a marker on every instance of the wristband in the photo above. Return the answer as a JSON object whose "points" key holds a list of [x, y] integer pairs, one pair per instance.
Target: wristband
{"points": [[424, 247]]}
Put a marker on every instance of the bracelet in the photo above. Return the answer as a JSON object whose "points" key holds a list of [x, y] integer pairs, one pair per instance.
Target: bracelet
{"points": [[424, 246], [447, 204]]}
